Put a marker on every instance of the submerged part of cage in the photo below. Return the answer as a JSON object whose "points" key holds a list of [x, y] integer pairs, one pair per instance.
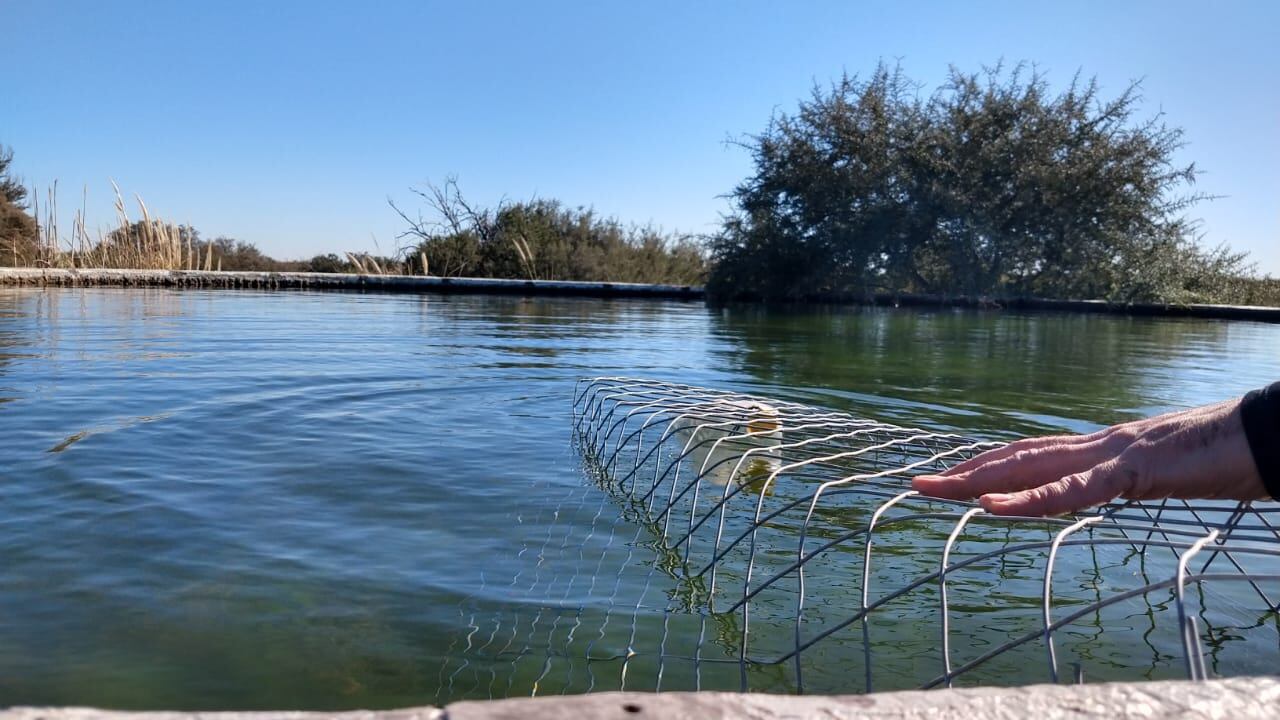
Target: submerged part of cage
{"points": [[793, 538]]}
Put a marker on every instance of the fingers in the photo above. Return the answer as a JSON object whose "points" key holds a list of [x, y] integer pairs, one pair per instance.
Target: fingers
{"points": [[1095, 486], [1201, 452], [1020, 470], [1000, 453]]}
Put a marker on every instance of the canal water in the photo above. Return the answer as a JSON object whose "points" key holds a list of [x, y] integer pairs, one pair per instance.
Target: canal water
{"points": [[247, 500]]}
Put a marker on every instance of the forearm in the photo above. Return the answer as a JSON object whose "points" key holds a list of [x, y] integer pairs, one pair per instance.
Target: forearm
{"points": [[1260, 414]]}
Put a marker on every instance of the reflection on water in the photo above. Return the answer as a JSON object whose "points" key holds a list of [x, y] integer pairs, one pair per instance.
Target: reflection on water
{"points": [[255, 500], [1010, 373]]}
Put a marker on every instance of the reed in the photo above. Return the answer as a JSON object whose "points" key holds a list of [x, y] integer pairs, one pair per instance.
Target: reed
{"points": [[364, 263], [144, 242]]}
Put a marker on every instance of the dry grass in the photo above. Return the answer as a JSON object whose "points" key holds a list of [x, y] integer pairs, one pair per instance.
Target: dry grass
{"points": [[144, 243], [138, 240], [366, 264]]}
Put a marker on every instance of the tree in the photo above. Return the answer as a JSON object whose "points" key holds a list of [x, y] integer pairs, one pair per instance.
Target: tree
{"points": [[328, 263], [11, 188], [992, 185], [19, 234], [231, 254]]}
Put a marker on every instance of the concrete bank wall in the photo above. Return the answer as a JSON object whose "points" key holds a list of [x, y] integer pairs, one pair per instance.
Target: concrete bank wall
{"points": [[335, 281], [1235, 699], [1196, 310], [38, 277]]}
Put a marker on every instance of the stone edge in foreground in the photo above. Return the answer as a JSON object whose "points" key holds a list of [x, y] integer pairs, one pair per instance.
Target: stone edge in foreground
{"points": [[1234, 699]]}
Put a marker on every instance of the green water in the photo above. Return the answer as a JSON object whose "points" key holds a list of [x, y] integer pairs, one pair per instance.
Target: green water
{"points": [[268, 500]]}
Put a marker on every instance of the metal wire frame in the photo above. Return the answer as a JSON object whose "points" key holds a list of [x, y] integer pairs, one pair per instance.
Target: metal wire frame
{"points": [[525, 628], [813, 471]]}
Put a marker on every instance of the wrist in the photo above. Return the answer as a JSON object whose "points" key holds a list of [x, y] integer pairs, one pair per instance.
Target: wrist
{"points": [[1259, 413]]}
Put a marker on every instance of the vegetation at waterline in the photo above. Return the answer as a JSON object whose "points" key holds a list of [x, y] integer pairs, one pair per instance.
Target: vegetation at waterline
{"points": [[992, 186], [156, 245], [541, 239], [146, 243]]}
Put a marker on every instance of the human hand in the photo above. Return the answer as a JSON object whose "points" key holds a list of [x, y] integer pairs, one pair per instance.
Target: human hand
{"points": [[1197, 453]]}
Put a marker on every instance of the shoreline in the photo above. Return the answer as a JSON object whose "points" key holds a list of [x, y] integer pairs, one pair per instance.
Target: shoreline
{"points": [[231, 280]]}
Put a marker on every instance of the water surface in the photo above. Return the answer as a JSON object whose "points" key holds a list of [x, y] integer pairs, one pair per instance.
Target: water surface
{"points": [[267, 500]]}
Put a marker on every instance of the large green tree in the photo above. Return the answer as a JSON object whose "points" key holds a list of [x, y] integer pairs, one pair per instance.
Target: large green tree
{"points": [[991, 185]]}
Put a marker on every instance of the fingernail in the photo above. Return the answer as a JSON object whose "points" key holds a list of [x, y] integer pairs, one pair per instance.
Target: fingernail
{"points": [[997, 498]]}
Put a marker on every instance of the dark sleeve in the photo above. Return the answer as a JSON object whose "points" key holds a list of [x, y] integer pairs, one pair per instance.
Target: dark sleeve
{"points": [[1260, 412]]}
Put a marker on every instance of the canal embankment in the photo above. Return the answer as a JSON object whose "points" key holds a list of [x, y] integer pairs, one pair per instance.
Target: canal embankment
{"points": [[230, 280]]}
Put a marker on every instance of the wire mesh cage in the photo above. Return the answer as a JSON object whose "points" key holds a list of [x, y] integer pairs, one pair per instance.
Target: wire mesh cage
{"points": [[798, 558]]}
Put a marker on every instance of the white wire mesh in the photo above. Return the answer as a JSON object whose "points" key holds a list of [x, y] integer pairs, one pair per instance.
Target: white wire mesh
{"points": [[734, 542], [792, 531]]}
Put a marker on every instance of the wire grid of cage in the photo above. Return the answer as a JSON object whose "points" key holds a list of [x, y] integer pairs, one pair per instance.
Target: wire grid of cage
{"points": [[791, 532]]}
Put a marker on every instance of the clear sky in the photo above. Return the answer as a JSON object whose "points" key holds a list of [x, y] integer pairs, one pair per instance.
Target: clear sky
{"points": [[289, 124]]}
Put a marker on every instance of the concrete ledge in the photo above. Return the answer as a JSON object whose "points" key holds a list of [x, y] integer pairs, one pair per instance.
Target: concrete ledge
{"points": [[58, 277], [1234, 699], [1196, 310]]}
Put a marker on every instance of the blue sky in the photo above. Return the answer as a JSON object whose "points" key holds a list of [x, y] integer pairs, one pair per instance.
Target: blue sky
{"points": [[289, 124]]}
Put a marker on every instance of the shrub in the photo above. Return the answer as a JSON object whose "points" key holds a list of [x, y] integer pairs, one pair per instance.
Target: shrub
{"points": [[542, 239]]}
